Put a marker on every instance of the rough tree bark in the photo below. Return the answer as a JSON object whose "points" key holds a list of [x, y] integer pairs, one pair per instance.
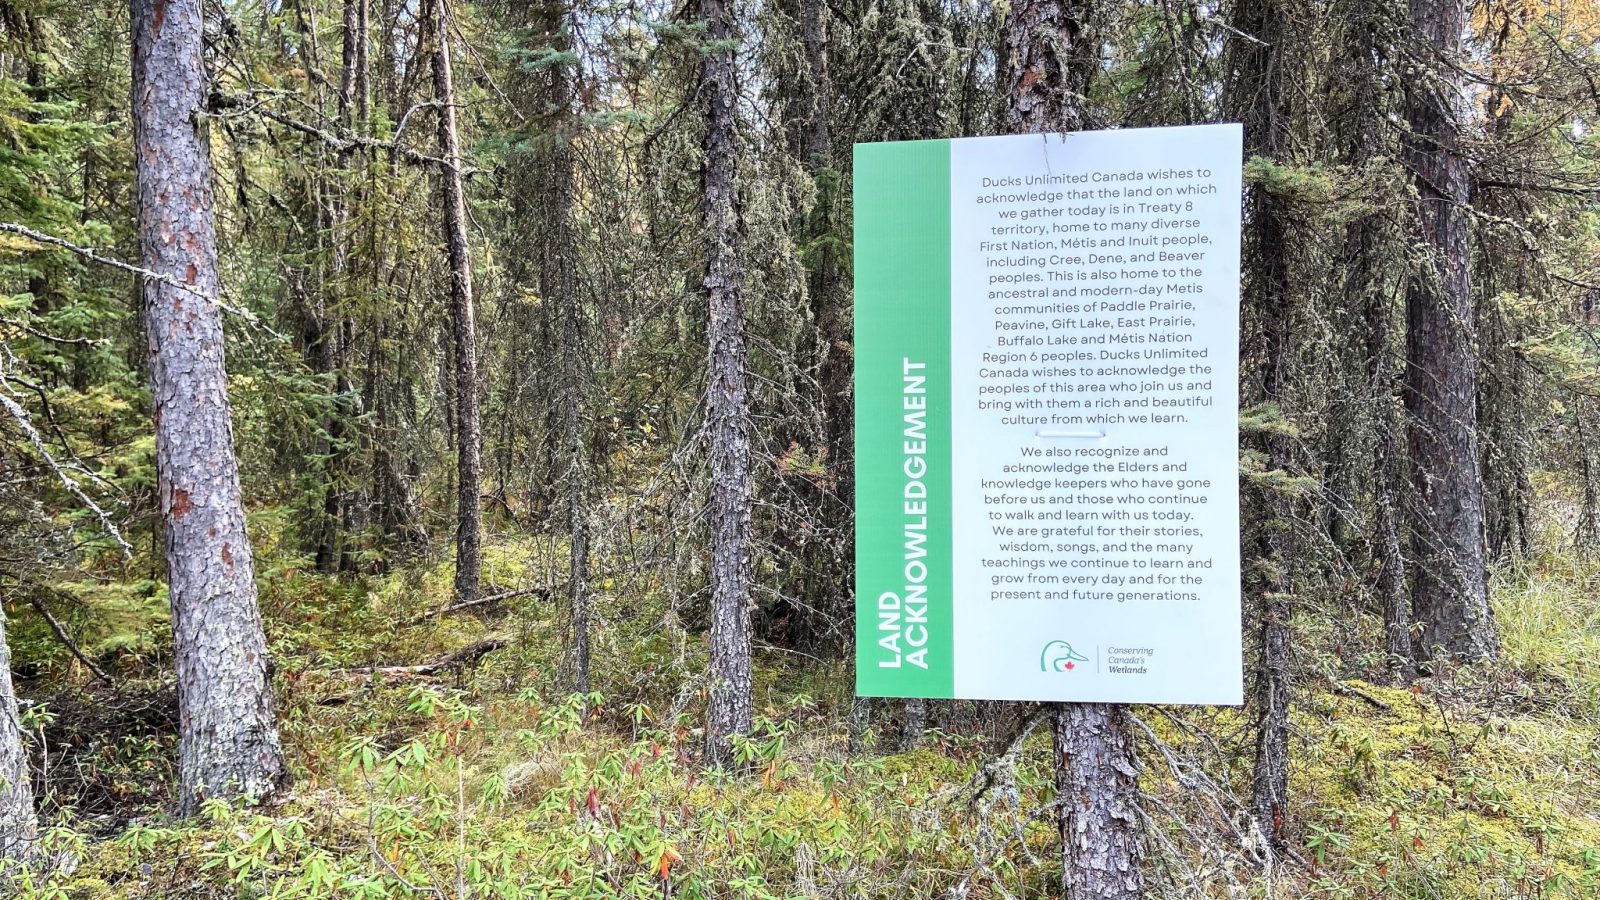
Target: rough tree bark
{"points": [[558, 276], [463, 325], [1450, 597], [1370, 36], [1260, 97], [728, 712], [916, 720], [19, 823], [228, 740], [1053, 59]]}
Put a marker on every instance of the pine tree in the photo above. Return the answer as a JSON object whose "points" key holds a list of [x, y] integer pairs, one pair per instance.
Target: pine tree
{"points": [[228, 745], [463, 318]]}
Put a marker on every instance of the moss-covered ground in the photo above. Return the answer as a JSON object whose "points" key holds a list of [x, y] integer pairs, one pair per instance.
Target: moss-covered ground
{"points": [[492, 781]]}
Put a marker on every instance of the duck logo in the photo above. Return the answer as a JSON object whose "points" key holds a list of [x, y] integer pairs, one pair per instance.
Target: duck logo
{"points": [[1058, 656]]}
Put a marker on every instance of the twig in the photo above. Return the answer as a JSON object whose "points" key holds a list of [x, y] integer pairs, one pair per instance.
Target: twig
{"points": [[1346, 690], [344, 140], [46, 336], [66, 639], [25, 422]]}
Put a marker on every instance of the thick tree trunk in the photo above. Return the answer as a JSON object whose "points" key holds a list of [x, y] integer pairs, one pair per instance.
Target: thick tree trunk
{"points": [[463, 325], [1053, 62], [1097, 782], [19, 824], [727, 404], [1450, 597], [228, 741]]}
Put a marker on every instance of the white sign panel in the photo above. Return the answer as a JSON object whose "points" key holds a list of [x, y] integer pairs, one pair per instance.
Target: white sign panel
{"points": [[1047, 339]]}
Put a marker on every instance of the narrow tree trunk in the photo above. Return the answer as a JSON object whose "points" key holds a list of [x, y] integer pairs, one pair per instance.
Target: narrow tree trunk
{"points": [[1397, 617], [727, 404], [860, 721], [1450, 596], [830, 309], [463, 327], [19, 824], [334, 325], [1261, 95], [228, 740], [1367, 247], [1388, 462], [916, 722], [1053, 59], [558, 274]]}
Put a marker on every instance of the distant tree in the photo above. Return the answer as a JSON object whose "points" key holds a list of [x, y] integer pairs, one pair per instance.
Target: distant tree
{"points": [[463, 318], [1450, 595], [228, 741]]}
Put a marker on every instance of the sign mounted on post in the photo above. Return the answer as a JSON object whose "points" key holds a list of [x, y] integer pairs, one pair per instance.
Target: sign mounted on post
{"points": [[1047, 334]]}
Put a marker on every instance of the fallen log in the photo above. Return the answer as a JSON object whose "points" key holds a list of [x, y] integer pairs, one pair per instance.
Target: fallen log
{"points": [[468, 654], [473, 604]]}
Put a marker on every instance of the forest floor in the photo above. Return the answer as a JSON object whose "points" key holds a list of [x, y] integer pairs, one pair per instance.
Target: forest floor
{"points": [[485, 779]]}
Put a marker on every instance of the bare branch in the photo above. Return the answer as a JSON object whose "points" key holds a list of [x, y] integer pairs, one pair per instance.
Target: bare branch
{"points": [[96, 257], [25, 422]]}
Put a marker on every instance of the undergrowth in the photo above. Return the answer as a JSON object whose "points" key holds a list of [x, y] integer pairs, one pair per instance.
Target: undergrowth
{"points": [[493, 782]]}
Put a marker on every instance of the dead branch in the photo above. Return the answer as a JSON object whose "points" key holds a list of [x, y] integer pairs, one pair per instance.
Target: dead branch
{"points": [[24, 421], [64, 638], [1346, 690], [111, 262], [468, 654], [473, 604]]}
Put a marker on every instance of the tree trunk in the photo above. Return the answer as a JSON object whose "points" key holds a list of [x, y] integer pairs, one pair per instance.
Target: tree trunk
{"points": [[228, 741], [1450, 597], [830, 309], [1389, 501], [727, 404], [334, 326], [1053, 60], [463, 327], [1368, 245], [558, 275], [916, 721], [1097, 783], [19, 824]]}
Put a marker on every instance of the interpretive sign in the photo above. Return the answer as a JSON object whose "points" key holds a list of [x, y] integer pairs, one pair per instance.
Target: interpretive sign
{"points": [[1047, 333]]}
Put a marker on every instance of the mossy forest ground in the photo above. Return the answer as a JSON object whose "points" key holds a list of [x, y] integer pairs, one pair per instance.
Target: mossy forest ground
{"points": [[486, 779]]}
